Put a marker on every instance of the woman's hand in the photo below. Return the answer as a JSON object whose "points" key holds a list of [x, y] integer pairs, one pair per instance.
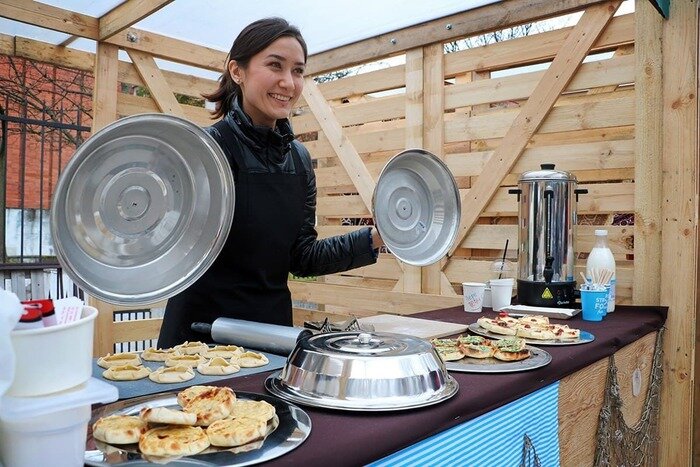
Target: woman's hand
{"points": [[376, 238]]}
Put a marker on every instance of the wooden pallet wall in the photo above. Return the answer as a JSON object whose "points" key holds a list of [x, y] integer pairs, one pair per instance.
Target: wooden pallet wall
{"points": [[589, 131]]}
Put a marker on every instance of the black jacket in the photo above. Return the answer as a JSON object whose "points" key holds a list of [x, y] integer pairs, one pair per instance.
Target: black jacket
{"points": [[268, 150]]}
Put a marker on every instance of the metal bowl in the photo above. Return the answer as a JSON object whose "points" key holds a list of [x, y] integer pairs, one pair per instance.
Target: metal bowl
{"points": [[416, 207], [142, 209], [363, 371]]}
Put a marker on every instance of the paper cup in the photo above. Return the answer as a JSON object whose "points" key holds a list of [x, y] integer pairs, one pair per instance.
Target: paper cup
{"points": [[501, 290], [473, 294], [487, 297], [594, 304]]}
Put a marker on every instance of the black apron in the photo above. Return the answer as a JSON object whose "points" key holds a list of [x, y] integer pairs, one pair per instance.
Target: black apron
{"points": [[248, 280]]}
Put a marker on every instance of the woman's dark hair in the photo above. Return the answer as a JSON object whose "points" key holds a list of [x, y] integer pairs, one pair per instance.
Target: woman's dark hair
{"points": [[255, 37]]}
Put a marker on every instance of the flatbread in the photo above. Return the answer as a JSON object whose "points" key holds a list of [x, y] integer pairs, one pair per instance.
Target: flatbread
{"points": [[218, 366], [562, 331], [186, 395], [510, 349], [173, 441], [537, 320], [496, 326], [250, 359], [191, 360], [152, 354], [119, 429], [166, 415], [119, 359], [192, 348], [172, 374], [236, 431], [449, 354], [476, 350], [253, 409], [529, 331], [225, 351], [126, 372], [211, 405]]}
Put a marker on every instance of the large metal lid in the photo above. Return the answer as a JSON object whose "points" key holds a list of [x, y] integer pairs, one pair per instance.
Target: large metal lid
{"points": [[547, 173], [416, 207], [367, 371], [142, 209]]}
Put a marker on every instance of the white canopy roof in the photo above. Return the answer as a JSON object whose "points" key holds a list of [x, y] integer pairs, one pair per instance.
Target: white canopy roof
{"points": [[215, 23]]}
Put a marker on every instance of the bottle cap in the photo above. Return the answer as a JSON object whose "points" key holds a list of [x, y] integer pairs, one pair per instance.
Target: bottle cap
{"points": [[601, 232]]}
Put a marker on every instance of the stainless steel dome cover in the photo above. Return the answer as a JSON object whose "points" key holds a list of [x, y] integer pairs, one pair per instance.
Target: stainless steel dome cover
{"points": [[416, 207], [142, 209], [368, 371]]}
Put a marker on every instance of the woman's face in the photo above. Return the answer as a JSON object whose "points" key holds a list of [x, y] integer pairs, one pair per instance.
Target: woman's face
{"points": [[272, 82]]}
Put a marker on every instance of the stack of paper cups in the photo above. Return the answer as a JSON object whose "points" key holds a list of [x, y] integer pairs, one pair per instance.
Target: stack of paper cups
{"points": [[501, 291]]}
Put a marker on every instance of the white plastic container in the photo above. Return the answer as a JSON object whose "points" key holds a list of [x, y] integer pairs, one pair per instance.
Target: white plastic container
{"points": [[600, 258], [50, 430], [53, 359]]}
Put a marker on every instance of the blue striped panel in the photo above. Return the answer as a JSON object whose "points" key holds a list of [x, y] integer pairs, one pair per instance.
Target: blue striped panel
{"points": [[493, 439]]}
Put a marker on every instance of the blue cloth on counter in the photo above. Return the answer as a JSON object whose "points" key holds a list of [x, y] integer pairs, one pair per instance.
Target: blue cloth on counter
{"points": [[493, 439]]}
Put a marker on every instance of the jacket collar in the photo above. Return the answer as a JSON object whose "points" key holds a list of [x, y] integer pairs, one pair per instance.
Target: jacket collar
{"points": [[269, 143]]}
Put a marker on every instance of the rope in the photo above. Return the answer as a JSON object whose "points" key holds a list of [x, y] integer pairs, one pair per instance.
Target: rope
{"points": [[619, 444]]}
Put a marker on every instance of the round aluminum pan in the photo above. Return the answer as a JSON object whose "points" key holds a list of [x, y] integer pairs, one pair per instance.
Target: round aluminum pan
{"points": [[363, 371], [142, 209], [584, 338], [416, 207]]}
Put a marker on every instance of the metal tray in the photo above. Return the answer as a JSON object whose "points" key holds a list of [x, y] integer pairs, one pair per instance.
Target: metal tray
{"points": [[583, 339], [294, 426], [274, 385], [538, 358]]}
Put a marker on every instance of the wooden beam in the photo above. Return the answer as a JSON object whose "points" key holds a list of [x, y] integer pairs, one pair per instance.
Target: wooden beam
{"points": [[127, 14], [534, 111], [104, 94], [49, 17], [648, 155], [154, 80], [70, 22], [7, 45], [472, 22], [410, 279], [679, 237], [347, 154]]}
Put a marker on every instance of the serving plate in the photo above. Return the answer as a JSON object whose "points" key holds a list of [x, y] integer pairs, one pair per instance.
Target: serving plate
{"points": [[290, 429], [538, 358], [584, 338]]}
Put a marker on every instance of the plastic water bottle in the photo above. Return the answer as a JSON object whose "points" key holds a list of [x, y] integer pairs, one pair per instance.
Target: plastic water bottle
{"points": [[602, 258]]}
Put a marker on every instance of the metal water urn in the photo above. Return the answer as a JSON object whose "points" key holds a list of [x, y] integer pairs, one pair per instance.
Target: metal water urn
{"points": [[546, 230]]}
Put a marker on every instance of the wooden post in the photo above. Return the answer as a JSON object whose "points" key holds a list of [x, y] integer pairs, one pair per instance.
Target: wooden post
{"points": [[648, 151], [104, 104], [410, 280], [679, 237]]}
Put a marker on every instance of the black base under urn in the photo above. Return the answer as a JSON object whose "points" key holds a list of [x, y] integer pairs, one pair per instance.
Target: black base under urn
{"points": [[554, 294]]}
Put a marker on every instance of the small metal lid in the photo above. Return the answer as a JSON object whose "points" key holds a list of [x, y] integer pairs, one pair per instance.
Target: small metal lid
{"points": [[416, 207], [548, 173], [142, 209]]}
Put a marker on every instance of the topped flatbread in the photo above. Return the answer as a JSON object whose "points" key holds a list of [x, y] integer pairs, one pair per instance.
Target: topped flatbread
{"points": [[119, 429], [496, 326], [534, 319], [119, 359], [172, 440]]}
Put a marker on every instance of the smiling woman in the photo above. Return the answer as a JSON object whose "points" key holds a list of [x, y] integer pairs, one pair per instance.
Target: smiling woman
{"points": [[273, 231]]}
